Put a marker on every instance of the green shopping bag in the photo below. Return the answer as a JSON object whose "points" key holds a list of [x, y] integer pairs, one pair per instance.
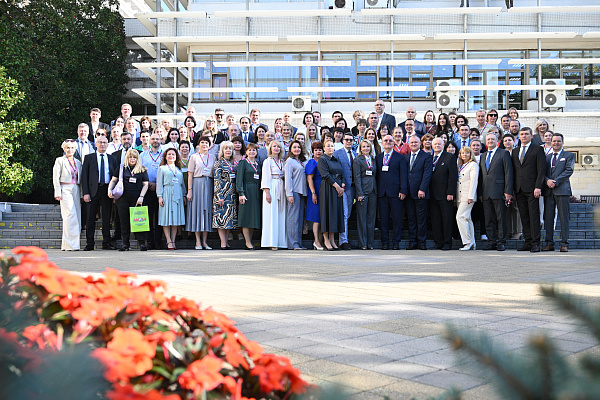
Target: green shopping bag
{"points": [[138, 219]]}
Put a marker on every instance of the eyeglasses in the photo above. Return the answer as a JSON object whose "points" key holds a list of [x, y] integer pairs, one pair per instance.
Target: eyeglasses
{"points": [[219, 115], [388, 140], [493, 115], [348, 140]]}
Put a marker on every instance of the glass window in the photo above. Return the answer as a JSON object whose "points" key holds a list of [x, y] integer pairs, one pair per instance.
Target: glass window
{"points": [[202, 77], [339, 76]]}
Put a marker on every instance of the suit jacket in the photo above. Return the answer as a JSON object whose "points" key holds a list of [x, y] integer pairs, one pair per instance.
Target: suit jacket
{"points": [[529, 175], [342, 155], [419, 177], [444, 177], [62, 173], [90, 175], [389, 120], [364, 184], [467, 182], [459, 142], [562, 171], [537, 140], [250, 136], [77, 154], [102, 125], [394, 181], [420, 129], [118, 155], [499, 178]]}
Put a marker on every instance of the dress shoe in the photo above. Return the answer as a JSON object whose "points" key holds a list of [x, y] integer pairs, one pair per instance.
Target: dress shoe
{"points": [[384, 246], [411, 246], [396, 246], [108, 247], [249, 248], [501, 247], [446, 247], [143, 248], [345, 246], [422, 246], [491, 246], [548, 247], [206, 247], [88, 248], [564, 249], [526, 247], [535, 248], [124, 248]]}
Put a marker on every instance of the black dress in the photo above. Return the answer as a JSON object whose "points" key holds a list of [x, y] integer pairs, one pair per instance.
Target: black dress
{"points": [[331, 206]]}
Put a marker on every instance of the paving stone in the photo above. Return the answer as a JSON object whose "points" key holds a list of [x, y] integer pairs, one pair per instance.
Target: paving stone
{"points": [[449, 379], [361, 379], [405, 390], [401, 369], [324, 368]]}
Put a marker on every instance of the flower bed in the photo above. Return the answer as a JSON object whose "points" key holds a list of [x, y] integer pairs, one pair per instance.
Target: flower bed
{"points": [[151, 346]]}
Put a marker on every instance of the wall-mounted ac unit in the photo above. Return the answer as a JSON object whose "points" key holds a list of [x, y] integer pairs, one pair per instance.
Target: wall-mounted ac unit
{"points": [[335, 4], [556, 98], [589, 160], [301, 103], [449, 98], [376, 3]]}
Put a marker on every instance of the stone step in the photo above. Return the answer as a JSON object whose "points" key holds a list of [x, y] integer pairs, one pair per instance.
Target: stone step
{"points": [[31, 216], [24, 207]]}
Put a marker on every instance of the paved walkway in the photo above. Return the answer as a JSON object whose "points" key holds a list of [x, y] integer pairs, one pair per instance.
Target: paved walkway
{"points": [[371, 320]]}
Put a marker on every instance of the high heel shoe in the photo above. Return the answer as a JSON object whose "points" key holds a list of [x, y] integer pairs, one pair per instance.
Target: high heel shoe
{"points": [[249, 248], [468, 247], [170, 248], [317, 247], [328, 248]]}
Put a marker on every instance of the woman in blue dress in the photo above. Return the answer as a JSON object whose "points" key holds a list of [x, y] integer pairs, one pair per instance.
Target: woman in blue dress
{"points": [[313, 177], [170, 190]]}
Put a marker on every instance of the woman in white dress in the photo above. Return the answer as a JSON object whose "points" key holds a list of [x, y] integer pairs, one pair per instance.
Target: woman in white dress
{"points": [[66, 176], [274, 201], [468, 173]]}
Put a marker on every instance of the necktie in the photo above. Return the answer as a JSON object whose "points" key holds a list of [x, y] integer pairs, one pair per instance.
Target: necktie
{"points": [[522, 156], [435, 161], [387, 158], [102, 176], [554, 160], [412, 160], [464, 143], [351, 158], [487, 160]]}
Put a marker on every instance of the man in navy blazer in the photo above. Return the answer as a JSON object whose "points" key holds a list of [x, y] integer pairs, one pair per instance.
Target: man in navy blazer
{"points": [[392, 187], [420, 129], [420, 166], [246, 131], [443, 185], [557, 192], [346, 156], [384, 119]]}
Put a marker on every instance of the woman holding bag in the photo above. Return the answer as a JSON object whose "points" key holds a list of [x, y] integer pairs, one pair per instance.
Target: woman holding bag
{"points": [[135, 184]]}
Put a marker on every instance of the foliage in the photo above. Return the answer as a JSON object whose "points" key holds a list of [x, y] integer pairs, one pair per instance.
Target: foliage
{"points": [[540, 371], [152, 346], [68, 56], [14, 177]]}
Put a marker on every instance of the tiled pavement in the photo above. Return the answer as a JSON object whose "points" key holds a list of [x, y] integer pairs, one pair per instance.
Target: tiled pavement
{"points": [[371, 321]]}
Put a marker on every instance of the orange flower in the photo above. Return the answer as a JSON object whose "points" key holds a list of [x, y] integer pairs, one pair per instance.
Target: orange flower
{"points": [[30, 253], [211, 317], [159, 338], [42, 336], [127, 392], [202, 375], [274, 372], [95, 312]]}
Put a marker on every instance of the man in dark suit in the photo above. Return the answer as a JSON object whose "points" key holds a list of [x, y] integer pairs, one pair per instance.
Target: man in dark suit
{"points": [[529, 168], [246, 130], [420, 129], [95, 124], [384, 119], [346, 156], [96, 173], [496, 182], [84, 146], [126, 141], [443, 189], [420, 167], [392, 187], [557, 192]]}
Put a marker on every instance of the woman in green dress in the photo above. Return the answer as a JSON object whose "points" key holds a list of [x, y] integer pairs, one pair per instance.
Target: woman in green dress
{"points": [[248, 188]]}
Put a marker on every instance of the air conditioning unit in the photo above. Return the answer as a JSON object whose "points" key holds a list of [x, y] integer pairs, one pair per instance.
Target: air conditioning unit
{"points": [[301, 103], [447, 98], [376, 3], [589, 160], [556, 98], [348, 4]]}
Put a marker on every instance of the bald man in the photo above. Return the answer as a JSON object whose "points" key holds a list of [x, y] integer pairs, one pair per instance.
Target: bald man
{"points": [[411, 113]]}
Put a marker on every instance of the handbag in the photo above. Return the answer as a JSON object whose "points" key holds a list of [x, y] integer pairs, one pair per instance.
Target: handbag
{"points": [[118, 189], [138, 219]]}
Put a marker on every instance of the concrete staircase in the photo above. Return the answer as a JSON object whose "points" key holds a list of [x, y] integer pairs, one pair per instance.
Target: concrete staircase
{"points": [[41, 225]]}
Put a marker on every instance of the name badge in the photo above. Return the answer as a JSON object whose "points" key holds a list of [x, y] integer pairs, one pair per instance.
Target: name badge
{"points": [[232, 176], [175, 180], [256, 176], [385, 168], [206, 171], [369, 173], [155, 165], [132, 180]]}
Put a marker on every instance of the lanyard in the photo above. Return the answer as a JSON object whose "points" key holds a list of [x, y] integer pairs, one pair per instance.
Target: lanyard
{"points": [[431, 128], [398, 148], [547, 151], [368, 161], [252, 165], [463, 167], [277, 164], [73, 167], [157, 157], [388, 158], [202, 159], [171, 169]]}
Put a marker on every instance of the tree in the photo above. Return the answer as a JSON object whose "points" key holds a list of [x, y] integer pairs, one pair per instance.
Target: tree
{"points": [[14, 177], [68, 56]]}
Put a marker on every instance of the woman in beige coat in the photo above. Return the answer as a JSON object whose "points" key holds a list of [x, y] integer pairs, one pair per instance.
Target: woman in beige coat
{"points": [[66, 179], [468, 173]]}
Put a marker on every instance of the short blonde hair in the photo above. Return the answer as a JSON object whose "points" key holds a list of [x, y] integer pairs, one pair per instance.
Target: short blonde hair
{"points": [[139, 167], [222, 146], [270, 151], [68, 142]]}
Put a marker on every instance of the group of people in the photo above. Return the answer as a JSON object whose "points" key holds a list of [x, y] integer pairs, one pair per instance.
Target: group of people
{"points": [[243, 176]]}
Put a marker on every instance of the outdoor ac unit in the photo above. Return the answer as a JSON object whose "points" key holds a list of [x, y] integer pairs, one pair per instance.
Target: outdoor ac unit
{"points": [[556, 98], [301, 103], [449, 98], [348, 4], [589, 160], [376, 3]]}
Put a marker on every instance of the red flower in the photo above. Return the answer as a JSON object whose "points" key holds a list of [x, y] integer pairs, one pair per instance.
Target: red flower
{"points": [[42, 336], [127, 392], [202, 375]]}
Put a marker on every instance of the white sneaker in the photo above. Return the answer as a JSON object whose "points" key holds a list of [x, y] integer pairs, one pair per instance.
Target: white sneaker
{"points": [[484, 237]]}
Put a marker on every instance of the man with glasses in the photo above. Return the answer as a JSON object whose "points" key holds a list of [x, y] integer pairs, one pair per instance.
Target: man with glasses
{"points": [[383, 118], [392, 187], [419, 127], [246, 132], [220, 117], [346, 156], [420, 167]]}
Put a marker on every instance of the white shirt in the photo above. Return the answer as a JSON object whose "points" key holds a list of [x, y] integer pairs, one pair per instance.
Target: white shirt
{"points": [[106, 174]]}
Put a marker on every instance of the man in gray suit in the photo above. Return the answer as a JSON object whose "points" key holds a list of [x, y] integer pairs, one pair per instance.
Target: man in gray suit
{"points": [[346, 156], [557, 192], [496, 173]]}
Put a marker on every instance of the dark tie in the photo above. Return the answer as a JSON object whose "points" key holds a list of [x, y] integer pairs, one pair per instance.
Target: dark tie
{"points": [[351, 158], [412, 160], [487, 161], [523, 151], [464, 143], [554, 160], [102, 182], [387, 158], [435, 161]]}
